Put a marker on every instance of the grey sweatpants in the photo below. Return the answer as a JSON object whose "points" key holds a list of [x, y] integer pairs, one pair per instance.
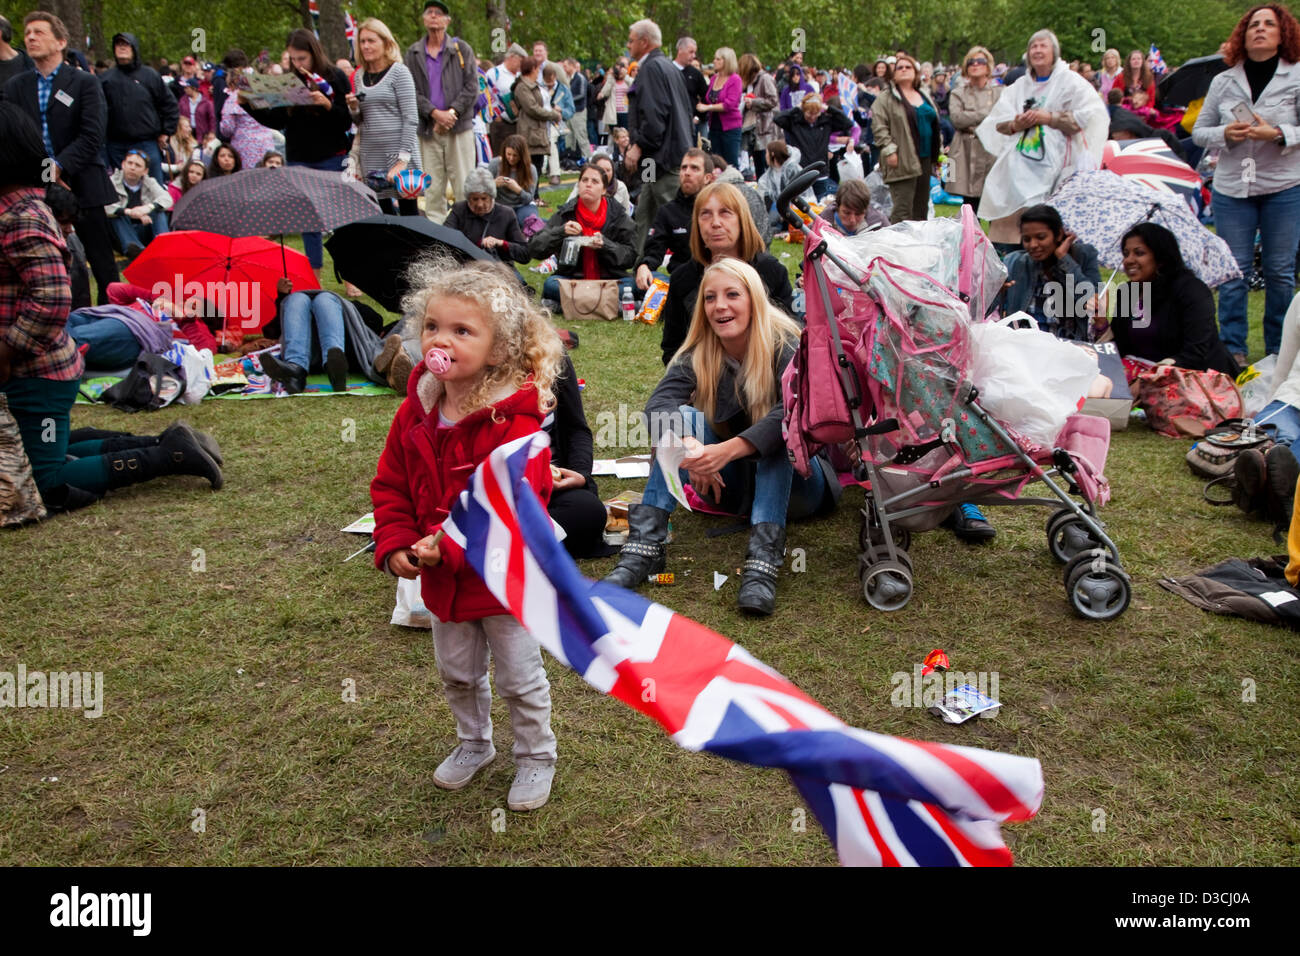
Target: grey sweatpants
{"points": [[463, 649]]}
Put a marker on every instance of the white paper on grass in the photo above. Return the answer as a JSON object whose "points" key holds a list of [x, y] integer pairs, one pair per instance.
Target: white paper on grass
{"points": [[631, 466], [669, 454]]}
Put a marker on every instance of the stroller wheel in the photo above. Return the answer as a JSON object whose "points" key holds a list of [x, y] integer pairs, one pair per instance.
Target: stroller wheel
{"points": [[1068, 535], [870, 535], [879, 553], [1098, 589], [887, 585]]}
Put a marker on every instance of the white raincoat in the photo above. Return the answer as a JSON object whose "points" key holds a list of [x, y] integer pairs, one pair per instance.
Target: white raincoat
{"points": [[1017, 180]]}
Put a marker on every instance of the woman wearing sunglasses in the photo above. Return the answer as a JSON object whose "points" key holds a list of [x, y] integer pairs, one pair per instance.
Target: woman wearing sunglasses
{"points": [[968, 104]]}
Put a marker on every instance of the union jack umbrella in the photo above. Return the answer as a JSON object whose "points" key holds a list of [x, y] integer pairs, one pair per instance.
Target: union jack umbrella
{"points": [[1152, 163], [882, 800]]}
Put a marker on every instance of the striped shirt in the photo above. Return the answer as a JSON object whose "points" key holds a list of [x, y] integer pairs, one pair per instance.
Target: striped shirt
{"points": [[35, 293], [389, 122]]}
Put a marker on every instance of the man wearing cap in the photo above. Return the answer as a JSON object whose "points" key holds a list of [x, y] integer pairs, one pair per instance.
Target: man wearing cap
{"points": [[189, 70], [502, 77], [197, 108], [446, 86], [141, 113]]}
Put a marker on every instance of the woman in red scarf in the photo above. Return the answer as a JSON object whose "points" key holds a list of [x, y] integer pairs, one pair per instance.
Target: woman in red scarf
{"points": [[612, 247]]}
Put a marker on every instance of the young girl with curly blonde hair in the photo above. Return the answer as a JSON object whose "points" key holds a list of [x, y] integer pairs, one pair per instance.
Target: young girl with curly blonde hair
{"points": [[499, 359]]}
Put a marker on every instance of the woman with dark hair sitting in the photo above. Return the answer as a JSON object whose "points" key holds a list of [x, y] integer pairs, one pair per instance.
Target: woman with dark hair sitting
{"points": [[1047, 276], [225, 162], [1168, 313], [722, 227], [610, 237]]}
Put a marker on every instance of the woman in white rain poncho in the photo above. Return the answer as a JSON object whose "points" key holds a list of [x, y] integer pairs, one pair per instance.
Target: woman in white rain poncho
{"points": [[1046, 125]]}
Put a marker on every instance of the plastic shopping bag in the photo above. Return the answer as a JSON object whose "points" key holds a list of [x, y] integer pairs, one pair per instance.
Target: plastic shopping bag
{"points": [[1256, 385], [409, 610], [1029, 379], [850, 166]]}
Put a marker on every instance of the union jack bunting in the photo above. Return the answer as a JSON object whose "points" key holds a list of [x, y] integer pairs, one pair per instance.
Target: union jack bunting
{"points": [[882, 800]]}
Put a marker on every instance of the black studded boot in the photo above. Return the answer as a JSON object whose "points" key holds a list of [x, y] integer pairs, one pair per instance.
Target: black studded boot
{"points": [[644, 554], [762, 564]]}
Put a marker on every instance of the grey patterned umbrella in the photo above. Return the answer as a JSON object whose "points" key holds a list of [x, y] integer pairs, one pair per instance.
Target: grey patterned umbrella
{"points": [[268, 202], [1099, 207]]}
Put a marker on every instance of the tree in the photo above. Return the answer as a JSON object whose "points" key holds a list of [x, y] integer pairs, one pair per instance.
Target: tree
{"points": [[333, 31]]}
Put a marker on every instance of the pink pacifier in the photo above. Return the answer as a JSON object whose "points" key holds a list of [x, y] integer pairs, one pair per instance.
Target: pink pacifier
{"points": [[437, 360]]}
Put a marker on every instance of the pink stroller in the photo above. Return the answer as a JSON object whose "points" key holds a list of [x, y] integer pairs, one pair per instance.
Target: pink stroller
{"points": [[882, 372]]}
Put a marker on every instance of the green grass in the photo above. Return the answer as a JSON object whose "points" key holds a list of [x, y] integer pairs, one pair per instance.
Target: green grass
{"points": [[223, 688]]}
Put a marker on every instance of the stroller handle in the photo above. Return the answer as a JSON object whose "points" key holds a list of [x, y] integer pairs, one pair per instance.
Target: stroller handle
{"points": [[797, 185]]}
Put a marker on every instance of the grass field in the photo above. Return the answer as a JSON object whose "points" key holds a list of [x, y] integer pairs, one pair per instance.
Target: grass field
{"points": [[224, 687]]}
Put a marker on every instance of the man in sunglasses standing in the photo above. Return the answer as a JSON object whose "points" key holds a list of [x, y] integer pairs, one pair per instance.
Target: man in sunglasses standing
{"points": [[68, 107]]}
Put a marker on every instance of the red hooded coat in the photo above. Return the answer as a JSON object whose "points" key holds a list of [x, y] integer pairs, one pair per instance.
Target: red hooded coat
{"points": [[422, 471]]}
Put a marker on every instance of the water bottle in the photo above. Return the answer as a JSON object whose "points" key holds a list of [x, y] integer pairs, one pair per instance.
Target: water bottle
{"points": [[628, 306]]}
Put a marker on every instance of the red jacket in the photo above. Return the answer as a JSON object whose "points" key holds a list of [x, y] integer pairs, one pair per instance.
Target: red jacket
{"points": [[423, 470]]}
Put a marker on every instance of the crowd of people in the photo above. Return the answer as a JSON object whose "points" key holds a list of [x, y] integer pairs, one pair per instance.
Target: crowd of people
{"points": [[680, 163]]}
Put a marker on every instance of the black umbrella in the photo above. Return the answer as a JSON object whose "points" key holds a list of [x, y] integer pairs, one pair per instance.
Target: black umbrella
{"points": [[268, 202], [1191, 81], [373, 254]]}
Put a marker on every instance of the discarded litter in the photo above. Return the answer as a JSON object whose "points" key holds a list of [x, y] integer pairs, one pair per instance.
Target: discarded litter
{"points": [[719, 579], [962, 703]]}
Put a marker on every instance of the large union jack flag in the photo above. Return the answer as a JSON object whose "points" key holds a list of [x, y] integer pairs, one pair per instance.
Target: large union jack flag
{"points": [[882, 800]]}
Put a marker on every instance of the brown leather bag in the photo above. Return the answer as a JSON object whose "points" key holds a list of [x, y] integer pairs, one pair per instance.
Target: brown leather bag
{"points": [[589, 298]]}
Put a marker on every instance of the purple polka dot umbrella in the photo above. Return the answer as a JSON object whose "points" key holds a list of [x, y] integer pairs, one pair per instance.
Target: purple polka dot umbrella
{"points": [[269, 202]]}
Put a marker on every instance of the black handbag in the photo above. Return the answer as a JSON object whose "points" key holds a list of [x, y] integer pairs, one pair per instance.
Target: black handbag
{"points": [[154, 382]]}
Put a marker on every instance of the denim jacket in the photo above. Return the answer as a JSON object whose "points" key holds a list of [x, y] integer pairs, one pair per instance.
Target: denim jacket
{"points": [[1253, 167]]}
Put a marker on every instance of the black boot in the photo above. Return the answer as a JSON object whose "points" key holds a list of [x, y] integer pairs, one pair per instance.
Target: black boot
{"points": [[292, 377], [762, 564], [1250, 474], [177, 453], [1282, 472], [121, 441], [336, 367], [643, 555], [204, 440]]}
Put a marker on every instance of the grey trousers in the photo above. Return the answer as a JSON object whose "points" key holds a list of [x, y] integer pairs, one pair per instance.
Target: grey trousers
{"points": [[658, 190], [463, 649]]}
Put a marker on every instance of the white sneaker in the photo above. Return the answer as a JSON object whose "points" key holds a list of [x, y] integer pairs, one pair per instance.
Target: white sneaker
{"points": [[459, 768], [532, 786]]}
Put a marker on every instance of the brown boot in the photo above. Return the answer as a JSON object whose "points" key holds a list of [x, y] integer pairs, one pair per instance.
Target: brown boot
{"points": [[399, 372]]}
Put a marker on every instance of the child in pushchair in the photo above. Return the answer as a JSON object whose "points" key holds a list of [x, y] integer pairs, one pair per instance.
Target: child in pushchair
{"points": [[884, 365]]}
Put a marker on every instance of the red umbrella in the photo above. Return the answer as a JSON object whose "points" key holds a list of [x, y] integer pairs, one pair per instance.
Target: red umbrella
{"points": [[236, 276], [1152, 163]]}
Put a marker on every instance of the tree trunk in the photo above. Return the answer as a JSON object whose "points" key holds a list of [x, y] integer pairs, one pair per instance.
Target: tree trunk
{"points": [[94, 19], [498, 18], [333, 31], [304, 12], [69, 11]]}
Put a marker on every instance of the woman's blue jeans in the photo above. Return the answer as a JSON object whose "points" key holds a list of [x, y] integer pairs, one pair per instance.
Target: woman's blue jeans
{"points": [[726, 143], [551, 288], [1285, 417], [296, 315], [311, 241], [780, 495], [1276, 216], [112, 346]]}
